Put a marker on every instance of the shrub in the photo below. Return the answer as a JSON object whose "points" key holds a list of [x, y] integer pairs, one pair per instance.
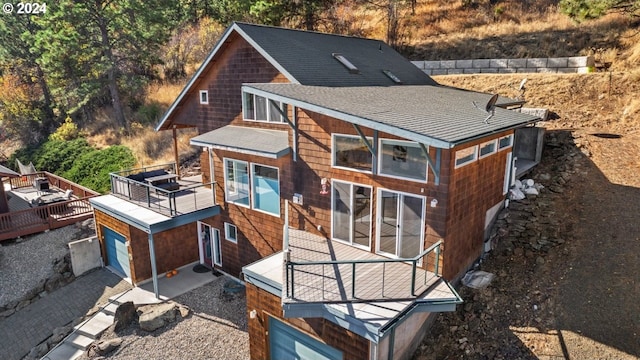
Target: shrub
{"points": [[66, 131], [55, 156], [92, 168]]}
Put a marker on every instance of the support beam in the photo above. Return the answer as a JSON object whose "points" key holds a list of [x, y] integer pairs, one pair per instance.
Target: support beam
{"points": [[434, 166], [364, 139], [292, 125], [154, 270], [175, 151]]}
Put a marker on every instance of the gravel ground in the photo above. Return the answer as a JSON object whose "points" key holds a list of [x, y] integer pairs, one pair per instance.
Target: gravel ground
{"points": [[24, 264], [216, 328]]}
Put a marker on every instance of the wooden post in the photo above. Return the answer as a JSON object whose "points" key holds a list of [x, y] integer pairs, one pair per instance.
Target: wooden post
{"points": [[175, 151]]}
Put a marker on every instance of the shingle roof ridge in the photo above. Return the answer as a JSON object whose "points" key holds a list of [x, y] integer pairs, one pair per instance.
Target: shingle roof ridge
{"points": [[241, 24]]}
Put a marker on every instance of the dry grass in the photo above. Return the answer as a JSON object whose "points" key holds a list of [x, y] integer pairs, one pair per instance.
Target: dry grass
{"points": [[151, 147]]}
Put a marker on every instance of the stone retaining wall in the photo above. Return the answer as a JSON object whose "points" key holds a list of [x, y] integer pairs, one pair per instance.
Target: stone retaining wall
{"points": [[578, 64]]}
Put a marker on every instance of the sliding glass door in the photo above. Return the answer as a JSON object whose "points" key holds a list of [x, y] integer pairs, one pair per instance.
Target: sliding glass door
{"points": [[351, 213], [400, 224]]}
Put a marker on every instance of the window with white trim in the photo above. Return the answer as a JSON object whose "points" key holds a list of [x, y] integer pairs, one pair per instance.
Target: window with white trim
{"points": [[488, 148], [259, 108], [349, 151], [231, 232], [236, 182], [505, 142], [265, 189], [466, 156], [204, 97], [402, 159]]}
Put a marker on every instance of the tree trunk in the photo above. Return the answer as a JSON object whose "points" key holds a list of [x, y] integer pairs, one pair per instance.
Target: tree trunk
{"points": [[48, 103], [111, 71]]}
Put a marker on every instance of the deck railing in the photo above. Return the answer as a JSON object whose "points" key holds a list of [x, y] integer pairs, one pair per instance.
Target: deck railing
{"points": [[46, 217], [375, 271], [167, 202], [25, 181]]}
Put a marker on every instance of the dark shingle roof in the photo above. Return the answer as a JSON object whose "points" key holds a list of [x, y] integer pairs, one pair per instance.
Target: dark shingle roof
{"points": [[435, 115], [307, 57], [254, 141]]}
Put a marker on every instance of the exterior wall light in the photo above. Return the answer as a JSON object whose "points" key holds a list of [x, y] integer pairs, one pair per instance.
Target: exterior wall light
{"points": [[324, 186]]}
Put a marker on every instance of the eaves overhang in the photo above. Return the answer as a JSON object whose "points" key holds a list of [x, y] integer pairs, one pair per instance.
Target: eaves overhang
{"points": [[350, 118], [144, 219]]}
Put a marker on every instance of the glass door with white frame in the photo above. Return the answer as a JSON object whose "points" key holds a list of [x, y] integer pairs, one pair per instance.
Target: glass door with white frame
{"points": [[209, 245], [351, 213], [400, 224]]}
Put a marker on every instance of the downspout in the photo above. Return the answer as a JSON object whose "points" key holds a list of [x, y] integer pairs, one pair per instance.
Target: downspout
{"points": [[175, 151], [154, 270]]}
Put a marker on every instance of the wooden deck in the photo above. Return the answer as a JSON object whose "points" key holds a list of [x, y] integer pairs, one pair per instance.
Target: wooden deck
{"points": [[192, 195], [26, 217], [324, 271]]}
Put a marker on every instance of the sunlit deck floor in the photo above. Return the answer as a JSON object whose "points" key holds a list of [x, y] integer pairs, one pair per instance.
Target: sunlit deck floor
{"points": [[21, 198], [389, 281], [189, 198]]}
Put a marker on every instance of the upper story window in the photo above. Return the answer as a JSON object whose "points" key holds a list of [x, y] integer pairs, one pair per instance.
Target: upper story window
{"points": [[505, 142], [265, 189], [466, 156], [488, 148], [402, 159], [236, 182], [259, 108], [204, 97], [350, 151]]}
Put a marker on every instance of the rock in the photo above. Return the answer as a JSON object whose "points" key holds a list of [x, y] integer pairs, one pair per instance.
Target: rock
{"points": [[59, 334], [540, 260], [184, 311], [53, 282], [23, 304], [88, 224], [7, 313], [103, 347], [39, 351], [153, 317], [125, 314]]}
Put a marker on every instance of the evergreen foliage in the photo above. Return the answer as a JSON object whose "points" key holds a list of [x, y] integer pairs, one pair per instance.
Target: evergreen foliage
{"points": [[92, 168]]}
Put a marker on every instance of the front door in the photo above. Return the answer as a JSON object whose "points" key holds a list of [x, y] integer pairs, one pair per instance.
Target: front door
{"points": [[209, 244], [400, 224]]}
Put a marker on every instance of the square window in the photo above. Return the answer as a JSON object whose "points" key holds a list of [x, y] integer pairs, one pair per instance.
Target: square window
{"points": [[266, 189], [260, 108], [351, 152], [231, 232], [466, 156], [505, 142], [402, 159], [248, 108], [488, 148], [204, 97]]}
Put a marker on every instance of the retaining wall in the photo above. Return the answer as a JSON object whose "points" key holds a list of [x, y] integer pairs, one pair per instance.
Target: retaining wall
{"points": [[578, 64]]}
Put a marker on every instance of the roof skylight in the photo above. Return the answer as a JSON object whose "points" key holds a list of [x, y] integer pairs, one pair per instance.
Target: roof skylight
{"points": [[392, 76], [344, 61]]}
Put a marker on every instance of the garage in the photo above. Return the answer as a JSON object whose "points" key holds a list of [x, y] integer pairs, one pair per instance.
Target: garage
{"points": [[117, 252], [288, 343]]}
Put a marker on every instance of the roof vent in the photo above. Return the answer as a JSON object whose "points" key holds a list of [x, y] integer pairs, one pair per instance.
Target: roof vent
{"points": [[391, 76], [343, 60]]}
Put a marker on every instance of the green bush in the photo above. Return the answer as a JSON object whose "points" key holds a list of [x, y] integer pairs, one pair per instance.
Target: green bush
{"points": [[55, 156], [92, 168], [66, 131]]}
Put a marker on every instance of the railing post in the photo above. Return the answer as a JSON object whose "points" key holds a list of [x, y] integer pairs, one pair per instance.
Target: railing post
{"points": [[413, 278], [353, 280], [286, 276], [384, 266], [292, 282], [437, 262], [322, 281]]}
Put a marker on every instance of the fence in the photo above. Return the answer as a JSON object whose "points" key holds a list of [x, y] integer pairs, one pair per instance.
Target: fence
{"points": [[578, 64]]}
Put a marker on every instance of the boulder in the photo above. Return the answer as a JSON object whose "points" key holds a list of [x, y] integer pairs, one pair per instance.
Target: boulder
{"points": [[103, 347], [153, 317], [39, 351], [125, 314]]}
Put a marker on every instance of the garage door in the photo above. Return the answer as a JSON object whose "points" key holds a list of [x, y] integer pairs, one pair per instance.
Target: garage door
{"points": [[117, 253], [287, 343]]}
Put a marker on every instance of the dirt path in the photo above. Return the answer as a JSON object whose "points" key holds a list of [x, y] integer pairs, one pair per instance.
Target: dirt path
{"points": [[567, 266]]}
